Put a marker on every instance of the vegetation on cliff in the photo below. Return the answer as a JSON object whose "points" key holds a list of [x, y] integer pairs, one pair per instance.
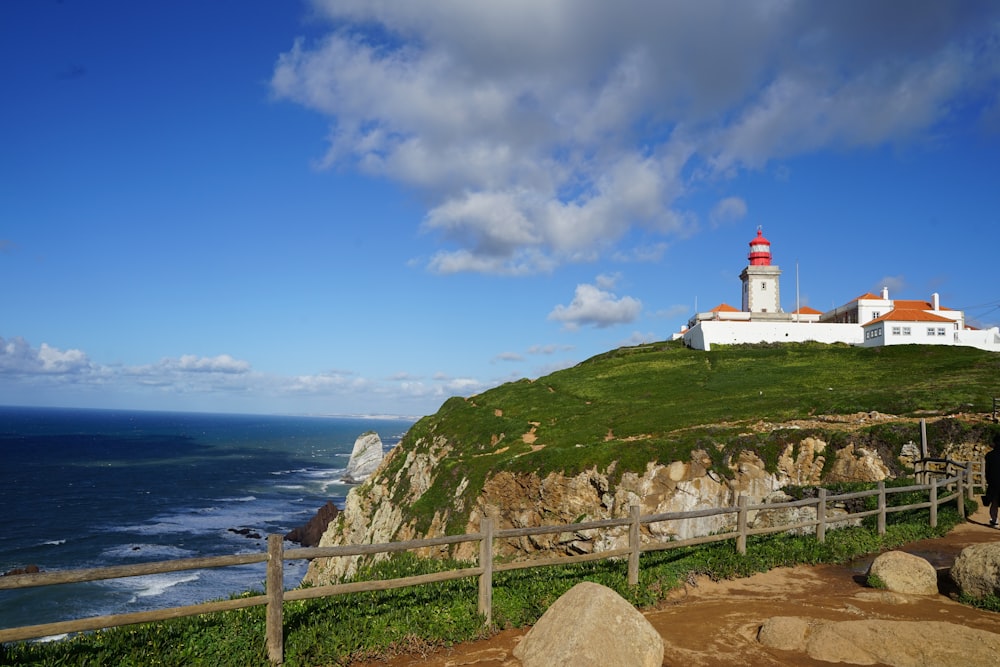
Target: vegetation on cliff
{"points": [[659, 402]]}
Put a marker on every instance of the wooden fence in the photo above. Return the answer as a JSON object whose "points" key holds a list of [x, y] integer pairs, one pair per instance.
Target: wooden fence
{"points": [[957, 479]]}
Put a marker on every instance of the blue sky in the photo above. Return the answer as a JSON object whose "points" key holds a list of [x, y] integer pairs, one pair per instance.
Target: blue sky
{"points": [[365, 207]]}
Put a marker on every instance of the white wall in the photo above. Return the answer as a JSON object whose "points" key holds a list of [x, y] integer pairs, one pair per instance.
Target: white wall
{"points": [[918, 334], [704, 334], [984, 339]]}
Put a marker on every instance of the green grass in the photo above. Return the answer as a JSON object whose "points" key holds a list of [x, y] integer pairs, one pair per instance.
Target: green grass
{"points": [[658, 402], [335, 631]]}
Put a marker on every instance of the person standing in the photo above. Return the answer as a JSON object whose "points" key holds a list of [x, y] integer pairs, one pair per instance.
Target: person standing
{"points": [[992, 497]]}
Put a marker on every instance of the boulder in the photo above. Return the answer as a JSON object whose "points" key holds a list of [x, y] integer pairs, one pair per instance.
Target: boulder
{"points": [[977, 570], [882, 642], [591, 626], [310, 534], [901, 572], [365, 458]]}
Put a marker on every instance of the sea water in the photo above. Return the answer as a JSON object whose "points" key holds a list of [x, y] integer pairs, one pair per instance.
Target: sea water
{"points": [[97, 488]]}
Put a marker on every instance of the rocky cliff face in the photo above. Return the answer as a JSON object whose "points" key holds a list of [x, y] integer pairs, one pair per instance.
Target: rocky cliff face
{"points": [[366, 455], [518, 500]]}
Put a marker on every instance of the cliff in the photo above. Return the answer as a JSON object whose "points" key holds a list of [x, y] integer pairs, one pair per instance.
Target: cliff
{"points": [[515, 500], [662, 427]]}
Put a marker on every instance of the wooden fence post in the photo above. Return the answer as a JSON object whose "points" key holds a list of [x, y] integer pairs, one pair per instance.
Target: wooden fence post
{"points": [[821, 515], [881, 507], [923, 439], [275, 598], [741, 524], [486, 578], [970, 480], [934, 503], [633, 544], [960, 497]]}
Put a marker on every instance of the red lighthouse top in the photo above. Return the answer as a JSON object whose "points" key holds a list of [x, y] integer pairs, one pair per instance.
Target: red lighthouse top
{"points": [[760, 250]]}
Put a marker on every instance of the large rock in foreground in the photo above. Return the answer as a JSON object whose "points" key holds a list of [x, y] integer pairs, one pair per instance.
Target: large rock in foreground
{"points": [[894, 643], [591, 626], [901, 572], [977, 570], [365, 458]]}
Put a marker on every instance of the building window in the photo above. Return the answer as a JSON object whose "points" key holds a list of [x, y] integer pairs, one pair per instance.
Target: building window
{"points": [[941, 331], [906, 331], [895, 331], [875, 315], [930, 331], [763, 286]]}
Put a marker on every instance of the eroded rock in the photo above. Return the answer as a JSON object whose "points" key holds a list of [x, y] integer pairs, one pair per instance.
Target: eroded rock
{"points": [[901, 572], [977, 570], [591, 626], [366, 455], [893, 643]]}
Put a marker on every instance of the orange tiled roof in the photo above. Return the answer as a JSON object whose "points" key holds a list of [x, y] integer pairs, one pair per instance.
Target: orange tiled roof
{"points": [[868, 295], [806, 310], [912, 304], [724, 308], [910, 315], [916, 305]]}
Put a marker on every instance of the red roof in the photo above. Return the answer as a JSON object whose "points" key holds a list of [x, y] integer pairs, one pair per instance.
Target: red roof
{"points": [[910, 315], [906, 304], [724, 308], [759, 239], [868, 295], [912, 304], [806, 310]]}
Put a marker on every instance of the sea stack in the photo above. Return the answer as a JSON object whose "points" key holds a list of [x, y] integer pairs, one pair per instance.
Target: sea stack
{"points": [[365, 458]]}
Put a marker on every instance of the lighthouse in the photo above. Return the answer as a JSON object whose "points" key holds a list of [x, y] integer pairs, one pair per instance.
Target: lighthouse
{"points": [[761, 292]]}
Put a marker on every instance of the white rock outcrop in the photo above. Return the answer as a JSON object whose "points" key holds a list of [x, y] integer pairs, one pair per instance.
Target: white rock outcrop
{"points": [[365, 458], [374, 512]]}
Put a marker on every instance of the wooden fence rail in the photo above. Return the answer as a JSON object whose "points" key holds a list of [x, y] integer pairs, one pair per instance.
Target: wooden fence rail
{"points": [[963, 478]]}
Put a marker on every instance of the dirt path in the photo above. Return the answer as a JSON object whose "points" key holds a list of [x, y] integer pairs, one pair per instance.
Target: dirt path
{"points": [[714, 624]]}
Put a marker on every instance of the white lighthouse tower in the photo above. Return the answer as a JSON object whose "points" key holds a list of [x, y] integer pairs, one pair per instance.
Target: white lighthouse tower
{"points": [[760, 279]]}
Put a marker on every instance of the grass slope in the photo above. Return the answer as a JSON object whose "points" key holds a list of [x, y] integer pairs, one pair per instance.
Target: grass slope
{"points": [[658, 402]]}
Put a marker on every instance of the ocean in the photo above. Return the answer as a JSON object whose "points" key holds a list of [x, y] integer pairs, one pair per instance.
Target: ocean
{"points": [[96, 488]]}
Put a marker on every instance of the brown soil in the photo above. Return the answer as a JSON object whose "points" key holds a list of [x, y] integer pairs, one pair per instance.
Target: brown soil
{"points": [[712, 624]]}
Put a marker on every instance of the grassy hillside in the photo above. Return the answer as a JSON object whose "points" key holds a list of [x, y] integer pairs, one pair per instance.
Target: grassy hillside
{"points": [[657, 402]]}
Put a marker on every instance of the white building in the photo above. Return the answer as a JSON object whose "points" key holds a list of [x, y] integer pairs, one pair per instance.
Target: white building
{"points": [[869, 320]]}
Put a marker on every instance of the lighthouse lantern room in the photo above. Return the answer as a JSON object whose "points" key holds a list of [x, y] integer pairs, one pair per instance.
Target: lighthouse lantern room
{"points": [[761, 279]]}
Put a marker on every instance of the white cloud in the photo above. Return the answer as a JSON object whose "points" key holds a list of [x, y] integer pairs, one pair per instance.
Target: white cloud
{"points": [[644, 253], [508, 356], [730, 209], [549, 349], [222, 363], [219, 382], [18, 357], [896, 285], [543, 132], [594, 306]]}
